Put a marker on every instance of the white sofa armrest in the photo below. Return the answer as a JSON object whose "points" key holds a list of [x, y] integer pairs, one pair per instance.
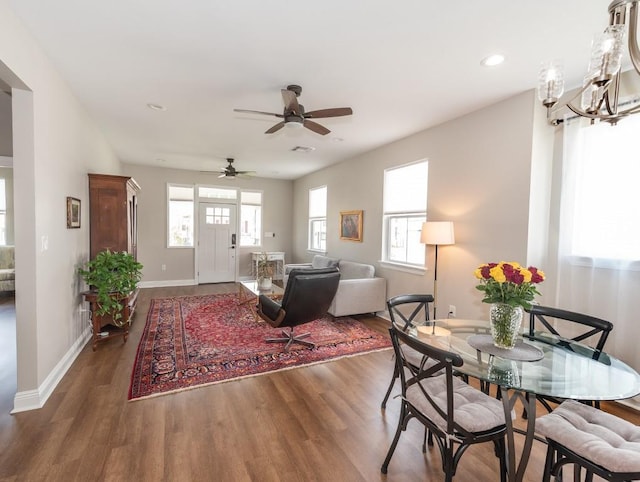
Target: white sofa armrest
{"points": [[289, 267], [356, 296]]}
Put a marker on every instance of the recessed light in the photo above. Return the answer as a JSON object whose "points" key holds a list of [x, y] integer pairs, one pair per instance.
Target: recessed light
{"points": [[156, 107], [492, 60]]}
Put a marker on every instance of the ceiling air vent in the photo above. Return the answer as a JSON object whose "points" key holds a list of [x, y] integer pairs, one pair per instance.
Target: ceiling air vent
{"points": [[303, 149]]}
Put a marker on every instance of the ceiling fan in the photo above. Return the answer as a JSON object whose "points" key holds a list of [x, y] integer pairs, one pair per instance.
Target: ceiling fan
{"points": [[230, 172], [294, 114]]}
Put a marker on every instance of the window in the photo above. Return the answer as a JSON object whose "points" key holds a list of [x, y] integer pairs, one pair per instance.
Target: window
{"points": [[600, 215], [404, 211], [216, 193], [250, 218], [180, 214], [318, 219], [217, 215]]}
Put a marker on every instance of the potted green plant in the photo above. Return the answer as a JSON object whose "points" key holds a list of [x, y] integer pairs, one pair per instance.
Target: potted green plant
{"points": [[112, 276], [264, 268]]}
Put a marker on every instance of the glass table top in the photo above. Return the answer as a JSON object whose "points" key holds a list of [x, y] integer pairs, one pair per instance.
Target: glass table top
{"points": [[567, 370]]}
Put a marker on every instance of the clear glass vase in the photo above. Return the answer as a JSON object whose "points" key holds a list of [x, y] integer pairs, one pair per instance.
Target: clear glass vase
{"points": [[505, 324]]}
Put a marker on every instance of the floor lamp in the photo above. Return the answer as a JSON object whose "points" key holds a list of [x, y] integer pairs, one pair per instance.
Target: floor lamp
{"points": [[437, 233]]}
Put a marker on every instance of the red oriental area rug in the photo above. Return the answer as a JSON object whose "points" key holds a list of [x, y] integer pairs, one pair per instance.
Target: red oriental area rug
{"points": [[190, 341]]}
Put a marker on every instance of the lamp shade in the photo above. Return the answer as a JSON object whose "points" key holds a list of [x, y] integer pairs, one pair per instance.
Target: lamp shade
{"points": [[437, 232]]}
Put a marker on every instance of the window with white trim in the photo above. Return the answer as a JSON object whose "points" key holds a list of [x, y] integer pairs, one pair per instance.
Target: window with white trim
{"points": [[404, 211], [180, 216], [600, 215], [318, 219], [250, 218]]}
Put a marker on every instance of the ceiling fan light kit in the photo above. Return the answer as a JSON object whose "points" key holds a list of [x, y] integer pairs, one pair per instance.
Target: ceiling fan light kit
{"points": [[600, 92], [295, 116]]}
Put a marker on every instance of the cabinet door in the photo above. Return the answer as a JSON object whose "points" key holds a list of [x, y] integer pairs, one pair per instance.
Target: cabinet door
{"points": [[108, 220]]}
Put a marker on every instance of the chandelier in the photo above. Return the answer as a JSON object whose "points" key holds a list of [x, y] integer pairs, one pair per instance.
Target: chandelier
{"points": [[598, 99]]}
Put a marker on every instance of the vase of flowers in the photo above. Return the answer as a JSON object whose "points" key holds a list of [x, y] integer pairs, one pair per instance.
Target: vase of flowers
{"points": [[509, 288]]}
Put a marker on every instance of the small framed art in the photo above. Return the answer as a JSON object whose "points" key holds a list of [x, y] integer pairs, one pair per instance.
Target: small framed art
{"points": [[73, 212], [351, 225]]}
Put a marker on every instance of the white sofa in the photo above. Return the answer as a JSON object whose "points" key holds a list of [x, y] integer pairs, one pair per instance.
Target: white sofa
{"points": [[7, 269], [359, 291]]}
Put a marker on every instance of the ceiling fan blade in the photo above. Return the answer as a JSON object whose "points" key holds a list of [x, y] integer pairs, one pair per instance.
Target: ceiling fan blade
{"points": [[337, 112], [247, 111], [224, 174], [275, 128], [315, 127], [290, 101]]}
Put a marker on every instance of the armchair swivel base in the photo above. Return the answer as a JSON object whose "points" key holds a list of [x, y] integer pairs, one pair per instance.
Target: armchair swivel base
{"points": [[290, 338]]}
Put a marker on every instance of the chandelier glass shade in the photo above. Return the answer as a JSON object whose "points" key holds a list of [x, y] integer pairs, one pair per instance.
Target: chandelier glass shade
{"points": [[599, 96]]}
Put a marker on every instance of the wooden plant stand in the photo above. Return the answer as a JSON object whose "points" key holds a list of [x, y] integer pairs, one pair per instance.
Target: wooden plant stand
{"points": [[104, 323]]}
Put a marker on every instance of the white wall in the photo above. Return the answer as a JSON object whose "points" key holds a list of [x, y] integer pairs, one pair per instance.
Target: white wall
{"points": [[152, 221], [55, 145], [479, 177]]}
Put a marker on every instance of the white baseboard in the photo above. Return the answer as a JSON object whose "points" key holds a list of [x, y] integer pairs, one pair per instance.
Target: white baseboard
{"points": [[34, 399], [166, 283]]}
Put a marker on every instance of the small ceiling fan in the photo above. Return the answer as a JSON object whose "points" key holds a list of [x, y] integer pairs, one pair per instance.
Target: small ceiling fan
{"points": [[294, 114], [230, 172]]}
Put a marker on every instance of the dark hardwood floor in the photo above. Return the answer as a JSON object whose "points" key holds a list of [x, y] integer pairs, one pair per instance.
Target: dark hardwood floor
{"points": [[319, 423]]}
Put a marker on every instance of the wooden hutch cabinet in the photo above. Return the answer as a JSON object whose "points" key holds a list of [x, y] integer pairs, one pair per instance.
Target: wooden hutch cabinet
{"points": [[113, 212]]}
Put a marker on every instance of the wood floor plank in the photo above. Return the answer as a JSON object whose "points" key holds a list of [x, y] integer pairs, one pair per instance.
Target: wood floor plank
{"points": [[319, 423]]}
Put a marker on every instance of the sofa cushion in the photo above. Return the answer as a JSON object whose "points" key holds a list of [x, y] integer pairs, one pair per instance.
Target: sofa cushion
{"points": [[319, 261], [351, 270], [7, 274], [7, 257]]}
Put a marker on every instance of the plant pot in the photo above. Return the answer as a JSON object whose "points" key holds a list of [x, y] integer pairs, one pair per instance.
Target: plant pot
{"points": [[505, 324], [264, 283]]}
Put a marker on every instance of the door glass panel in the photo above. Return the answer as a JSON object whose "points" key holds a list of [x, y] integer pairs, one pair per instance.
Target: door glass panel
{"points": [[217, 215]]}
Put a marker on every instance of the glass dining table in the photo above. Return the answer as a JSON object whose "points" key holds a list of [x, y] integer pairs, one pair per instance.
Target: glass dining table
{"points": [[539, 365]]}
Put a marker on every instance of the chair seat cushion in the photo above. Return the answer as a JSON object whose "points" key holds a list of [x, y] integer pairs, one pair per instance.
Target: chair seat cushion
{"points": [[473, 410], [602, 438]]}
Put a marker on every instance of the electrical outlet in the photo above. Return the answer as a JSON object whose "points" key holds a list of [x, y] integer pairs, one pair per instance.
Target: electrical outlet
{"points": [[452, 311], [164, 267]]}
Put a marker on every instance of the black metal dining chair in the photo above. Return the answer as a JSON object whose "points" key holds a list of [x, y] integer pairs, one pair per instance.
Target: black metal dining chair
{"points": [[455, 413], [414, 305], [569, 325]]}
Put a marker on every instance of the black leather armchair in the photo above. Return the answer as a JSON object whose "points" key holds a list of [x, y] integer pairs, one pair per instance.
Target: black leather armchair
{"points": [[307, 297]]}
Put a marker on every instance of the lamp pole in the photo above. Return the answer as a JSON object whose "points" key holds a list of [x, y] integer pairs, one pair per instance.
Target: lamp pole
{"points": [[437, 233]]}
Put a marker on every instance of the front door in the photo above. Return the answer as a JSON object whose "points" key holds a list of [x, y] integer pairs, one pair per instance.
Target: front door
{"points": [[216, 243]]}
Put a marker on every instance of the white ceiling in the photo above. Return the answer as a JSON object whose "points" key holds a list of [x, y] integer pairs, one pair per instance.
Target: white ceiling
{"points": [[402, 66]]}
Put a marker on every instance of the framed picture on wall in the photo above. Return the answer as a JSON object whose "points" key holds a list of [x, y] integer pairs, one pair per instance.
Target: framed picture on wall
{"points": [[73, 212], [351, 225]]}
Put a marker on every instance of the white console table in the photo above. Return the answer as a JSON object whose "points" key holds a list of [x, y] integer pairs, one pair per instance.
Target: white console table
{"points": [[278, 260]]}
